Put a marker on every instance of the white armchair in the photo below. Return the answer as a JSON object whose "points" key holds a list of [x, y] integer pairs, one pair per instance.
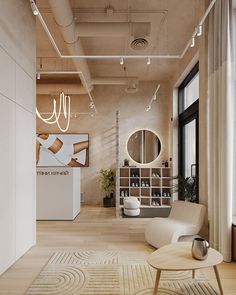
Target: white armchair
{"points": [[185, 219]]}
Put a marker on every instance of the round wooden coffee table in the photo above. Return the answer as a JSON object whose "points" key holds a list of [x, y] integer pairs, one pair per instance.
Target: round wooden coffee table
{"points": [[178, 256]]}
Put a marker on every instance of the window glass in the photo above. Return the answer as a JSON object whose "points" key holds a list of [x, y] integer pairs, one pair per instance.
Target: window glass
{"points": [[189, 148], [191, 92]]}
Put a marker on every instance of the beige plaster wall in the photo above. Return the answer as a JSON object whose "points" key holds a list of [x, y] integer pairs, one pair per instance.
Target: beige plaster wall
{"points": [[102, 127], [197, 54]]}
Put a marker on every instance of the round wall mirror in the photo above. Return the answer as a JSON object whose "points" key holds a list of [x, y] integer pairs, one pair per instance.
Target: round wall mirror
{"points": [[144, 146]]}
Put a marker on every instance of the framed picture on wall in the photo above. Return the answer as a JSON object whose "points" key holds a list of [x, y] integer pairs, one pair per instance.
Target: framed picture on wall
{"points": [[62, 150]]}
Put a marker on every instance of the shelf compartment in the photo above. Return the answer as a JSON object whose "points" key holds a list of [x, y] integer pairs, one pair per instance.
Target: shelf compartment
{"points": [[124, 182], [165, 201], [134, 182], [156, 192], [145, 191], [145, 172], [124, 192], [166, 192], [167, 182], [156, 172], [156, 202], [157, 182], [166, 171], [124, 172], [146, 182], [134, 172], [145, 201], [134, 192]]}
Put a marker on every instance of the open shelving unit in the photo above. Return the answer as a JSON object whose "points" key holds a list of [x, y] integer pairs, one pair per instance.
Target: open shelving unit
{"points": [[152, 186]]}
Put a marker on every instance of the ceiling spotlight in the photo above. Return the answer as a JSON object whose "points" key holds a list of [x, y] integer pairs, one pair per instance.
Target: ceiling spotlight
{"points": [[148, 61], [34, 8], [192, 42], [148, 108], [38, 76], [199, 30], [121, 61]]}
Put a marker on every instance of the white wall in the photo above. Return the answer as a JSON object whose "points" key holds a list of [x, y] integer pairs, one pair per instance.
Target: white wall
{"points": [[17, 129]]}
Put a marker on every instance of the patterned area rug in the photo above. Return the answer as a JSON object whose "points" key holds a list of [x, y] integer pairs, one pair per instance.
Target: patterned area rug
{"points": [[112, 273]]}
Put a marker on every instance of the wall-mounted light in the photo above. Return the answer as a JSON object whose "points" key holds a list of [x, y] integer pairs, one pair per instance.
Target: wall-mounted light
{"points": [[199, 30], [121, 61], [38, 76], [34, 8], [154, 97], [192, 42], [148, 60], [148, 108]]}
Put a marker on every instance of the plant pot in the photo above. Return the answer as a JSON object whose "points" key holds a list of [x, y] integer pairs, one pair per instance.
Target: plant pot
{"points": [[107, 202], [126, 162]]}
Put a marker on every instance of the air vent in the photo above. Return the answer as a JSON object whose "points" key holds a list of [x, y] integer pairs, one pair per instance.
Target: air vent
{"points": [[139, 44]]}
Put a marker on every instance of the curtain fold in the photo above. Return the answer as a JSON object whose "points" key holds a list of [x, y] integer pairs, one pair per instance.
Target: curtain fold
{"points": [[221, 127]]}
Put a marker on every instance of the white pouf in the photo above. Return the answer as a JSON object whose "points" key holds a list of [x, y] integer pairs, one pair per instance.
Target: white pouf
{"points": [[131, 206]]}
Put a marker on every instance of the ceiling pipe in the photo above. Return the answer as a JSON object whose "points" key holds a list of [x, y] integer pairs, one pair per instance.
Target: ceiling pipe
{"points": [[69, 89], [63, 15], [114, 29], [76, 89], [113, 80]]}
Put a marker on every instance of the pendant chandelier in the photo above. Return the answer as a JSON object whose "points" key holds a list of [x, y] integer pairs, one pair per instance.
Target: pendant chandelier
{"points": [[64, 110]]}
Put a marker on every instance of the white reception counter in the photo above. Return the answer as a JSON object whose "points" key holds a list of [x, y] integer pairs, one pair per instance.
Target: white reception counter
{"points": [[58, 193]]}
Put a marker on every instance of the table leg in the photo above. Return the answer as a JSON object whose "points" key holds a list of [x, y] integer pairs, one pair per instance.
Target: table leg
{"points": [[157, 281], [193, 273], [218, 279]]}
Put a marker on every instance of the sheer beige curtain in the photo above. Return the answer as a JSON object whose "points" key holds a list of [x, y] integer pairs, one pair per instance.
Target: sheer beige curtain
{"points": [[221, 127]]}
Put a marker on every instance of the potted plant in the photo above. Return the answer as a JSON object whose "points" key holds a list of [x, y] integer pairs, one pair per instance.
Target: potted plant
{"points": [[126, 162], [186, 187], [107, 183]]}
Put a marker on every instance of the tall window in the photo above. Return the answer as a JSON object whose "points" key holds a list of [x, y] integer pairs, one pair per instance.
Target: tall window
{"points": [[188, 124]]}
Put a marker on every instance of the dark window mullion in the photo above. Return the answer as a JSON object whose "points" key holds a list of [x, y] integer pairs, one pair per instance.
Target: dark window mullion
{"points": [[185, 117]]}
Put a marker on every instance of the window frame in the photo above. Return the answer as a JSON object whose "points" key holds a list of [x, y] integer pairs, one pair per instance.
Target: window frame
{"points": [[186, 116]]}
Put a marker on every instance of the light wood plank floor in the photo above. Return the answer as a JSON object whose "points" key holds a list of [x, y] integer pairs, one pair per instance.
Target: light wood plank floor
{"points": [[95, 228]]}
